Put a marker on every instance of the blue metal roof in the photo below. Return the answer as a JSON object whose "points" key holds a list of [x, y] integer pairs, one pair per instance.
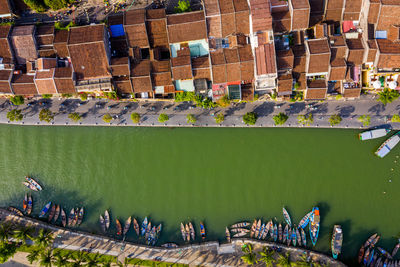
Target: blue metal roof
{"points": [[117, 30]]}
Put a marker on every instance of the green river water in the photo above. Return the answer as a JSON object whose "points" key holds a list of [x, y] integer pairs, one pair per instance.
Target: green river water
{"points": [[220, 176]]}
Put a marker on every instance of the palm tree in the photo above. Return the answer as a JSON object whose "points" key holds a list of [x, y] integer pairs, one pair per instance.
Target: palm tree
{"points": [[60, 260], [44, 238], [106, 261], [93, 261], [284, 260], [304, 261], [267, 256], [120, 264], [249, 257], [33, 255], [46, 258], [22, 234], [6, 231], [79, 258]]}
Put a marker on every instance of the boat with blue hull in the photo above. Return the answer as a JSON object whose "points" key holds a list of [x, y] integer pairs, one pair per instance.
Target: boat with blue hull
{"points": [[45, 210], [388, 145], [337, 240], [286, 216], [372, 134], [144, 226], [314, 225], [275, 233], [305, 220]]}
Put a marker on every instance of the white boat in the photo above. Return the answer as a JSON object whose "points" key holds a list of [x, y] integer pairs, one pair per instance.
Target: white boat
{"points": [[388, 145], [372, 134], [33, 182]]}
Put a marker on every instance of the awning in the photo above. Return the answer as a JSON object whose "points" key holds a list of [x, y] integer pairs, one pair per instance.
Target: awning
{"points": [[392, 85]]}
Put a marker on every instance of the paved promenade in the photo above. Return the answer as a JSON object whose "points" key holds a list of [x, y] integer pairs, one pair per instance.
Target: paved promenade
{"points": [[93, 110], [205, 254]]}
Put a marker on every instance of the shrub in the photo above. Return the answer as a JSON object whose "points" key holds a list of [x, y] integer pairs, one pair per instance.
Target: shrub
{"points": [[184, 96], [17, 100], [7, 250], [388, 96], [14, 115], [190, 118], [280, 119], [46, 96], [36, 5], [305, 119], [46, 115], [74, 116], [135, 117], [61, 26], [83, 96], [163, 117], [56, 4], [395, 118], [250, 118], [107, 118], [219, 118], [335, 119], [183, 6], [66, 95], [338, 97], [273, 96], [224, 101], [364, 119], [111, 95]]}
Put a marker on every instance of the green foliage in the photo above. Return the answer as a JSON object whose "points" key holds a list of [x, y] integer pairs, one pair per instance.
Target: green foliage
{"points": [[183, 6], [14, 115], [46, 115], [6, 231], [335, 119], [61, 26], [184, 96], [56, 4], [66, 95], [34, 255], [111, 95], [7, 250], [46, 258], [83, 96], [60, 260], [46, 96], [305, 119], [280, 119], [296, 85], [17, 100], [298, 96], [256, 97], [273, 96], [364, 119], [135, 117], [44, 239], [388, 96], [163, 117], [205, 103], [219, 118], [23, 234], [190, 118], [284, 260], [249, 256], [267, 256], [107, 118], [75, 117], [36, 5], [250, 118], [338, 97], [224, 101], [395, 118]]}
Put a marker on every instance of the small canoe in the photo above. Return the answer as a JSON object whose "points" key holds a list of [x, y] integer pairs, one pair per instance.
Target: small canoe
{"points": [[45, 210], [127, 225], [271, 232], [280, 232], [369, 240], [102, 223], [107, 219], [371, 256], [361, 254], [57, 213], [71, 217], [240, 234], [366, 256], [303, 237], [275, 233], [80, 216], [294, 237], [378, 261], [240, 230], [119, 227], [25, 203], [30, 186], [158, 229], [258, 228], [261, 232], [136, 226], [253, 228], [314, 225], [52, 212], [374, 259], [192, 232], [240, 225], [202, 231], [285, 233], [396, 248], [385, 263], [183, 232], [169, 245], [372, 134], [298, 236], [268, 227], [289, 239], [337, 240], [227, 234], [305, 220], [376, 239], [144, 226], [76, 218], [63, 218], [385, 253], [30, 205], [33, 182], [187, 230], [286, 216], [148, 230], [15, 211]]}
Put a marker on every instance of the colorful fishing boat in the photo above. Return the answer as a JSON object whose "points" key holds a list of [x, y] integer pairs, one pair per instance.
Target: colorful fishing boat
{"points": [[385, 253], [371, 256], [158, 229], [148, 230], [57, 213], [240, 234], [305, 220], [262, 230], [71, 217], [45, 210], [119, 227], [303, 237], [107, 219], [337, 240], [375, 240], [25, 203], [127, 225], [102, 223], [183, 232], [369, 240], [378, 261], [267, 228], [287, 217], [202, 231], [396, 248], [366, 256], [144, 226], [280, 232], [240, 230], [227, 234], [258, 228], [271, 232], [361, 254], [298, 235], [136, 227], [80, 216], [289, 239], [294, 237], [169, 245], [240, 225], [63, 218], [187, 230], [253, 228], [192, 232], [52, 212], [34, 183], [275, 232], [388, 145], [30, 186], [372, 134], [30, 205], [285, 233], [15, 211], [76, 218], [314, 225]]}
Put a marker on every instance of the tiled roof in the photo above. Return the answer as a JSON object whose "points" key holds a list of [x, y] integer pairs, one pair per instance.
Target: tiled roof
{"points": [[200, 62], [240, 5], [301, 80], [338, 70], [157, 32], [214, 26], [285, 84], [45, 29], [61, 36], [160, 66], [245, 53], [182, 72], [4, 31], [316, 84], [356, 51], [300, 18], [352, 93], [5, 48], [5, 75], [231, 55], [136, 35], [285, 59], [120, 66], [219, 74], [217, 57], [4, 7], [161, 79], [44, 82], [134, 16], [299, 64], [155, 14], [389, 56], [228, 24], [44, 74], [261, 15], [281, 21], [299, 4], [123, 86], [316, 90], [318, 63], [211, 7], [46, 63], [5, 81], [247, 70], [372, 48], [318, 46], [226, 6], [352, 10], [178, 25], [23, 43], [86, 34], [141, 84], [23, 84], [61, 73], [141, 68], [265, 59]]}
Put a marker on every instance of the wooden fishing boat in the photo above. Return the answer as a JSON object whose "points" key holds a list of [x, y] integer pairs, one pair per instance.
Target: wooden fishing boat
{"points": [[303, 237], [45, 210], [298, 236], [52, 212], [183, 232], [267, 229], [71, 217], [271, 232], [187, 230], [136, 226], [80, 216], [378, 261], [107, 219], [258, 228], [202, 231], [240, 225], [152, 236], [240, 230], [289, 239], [25, 203], [33, 182], [102, 223], [294, 237], [366, 255], [385, 253], [148, 230], [374, 259], [30, 186], [337, 240], [262, 230], [127, 225], [30, 205], [305, 220], [396, 248], [227, 234], [119, 227], [275, 232], [240, 234], [286, 216], [385, 263], [76, 218], [372, 134], [375, 240], [280, 232], [369, 240], [253, 228], [144, 226], [371, 256], [158, 229], [169, 245], [361, 254], [285, 233], [63, 218], [192, 232], [57, 213], [15, 211], [314, 225], [388, 145]]}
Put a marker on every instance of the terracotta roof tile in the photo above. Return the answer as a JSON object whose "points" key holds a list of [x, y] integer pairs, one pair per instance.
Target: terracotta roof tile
{"points": [[211, 7], [4, 31], [182, 72], [233, 72], [226, 6], [120, 66], [136, 35], [318, 46], [4, 7], [204, 73], [265, 59], [155, 13], [352, 93], [44, 82], [301, 80], [214, 27], [338, 70], [135, 16], [318, 63], [86, 34], [316, 89], [161, 79], [261, 15], [61, 36], [299, 64], [242, 22], [219, 73], [179, 33], [160, 66], [141, 69], [228, 24], [5, 75], [285, 84], [5, 48], [183, 60], [65, 72], [231, 55], [300, 19], [217, 57], [389, 56], [24, 44], [285, 59], [123, 86], [245, 53], [200, 62], [157, 32], [141, 84], [281, 22], [247, 70], [356, 51], [45, 29], [23, 84]]}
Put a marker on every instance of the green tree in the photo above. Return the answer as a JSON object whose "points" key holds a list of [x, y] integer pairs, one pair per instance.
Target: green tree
{"points": [[304, 261], [280, 119], [44, 239], [93, 261], [56, 4], [107, 118], [364, 119], [305, 119], [33, 255], [46, 258], [7, 250], [219, 118], [267, 256], [83, 96], [335, 119], [23, 234], [183, 6], [60, 260], [135, 117], [106, 261], [163, 117], [284, 260], [395, 118], [17, 100], [190, 118], [79, 258], [6, 231], [250, 118], [46, 115], [224, 101], [46, 96], [14, 115], [249, 257], [36, 5], [75, 117], [388, 96]]}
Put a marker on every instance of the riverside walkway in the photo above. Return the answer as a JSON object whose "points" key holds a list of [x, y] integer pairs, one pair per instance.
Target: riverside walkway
{"points": [[204, 254]]}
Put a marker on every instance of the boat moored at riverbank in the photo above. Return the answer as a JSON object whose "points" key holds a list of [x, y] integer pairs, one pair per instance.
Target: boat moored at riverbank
{"points": [[388, 145], [372, 134], [337, 240], [314, 225]]}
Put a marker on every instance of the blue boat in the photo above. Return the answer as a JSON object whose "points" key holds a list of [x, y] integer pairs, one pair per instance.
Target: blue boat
{"points": [[262, 230], [275, 233], [144, 226], [45, 209], [303, 222], [385, 253], [314, 225], [371, 256], [286, 216], [294, 237]]}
